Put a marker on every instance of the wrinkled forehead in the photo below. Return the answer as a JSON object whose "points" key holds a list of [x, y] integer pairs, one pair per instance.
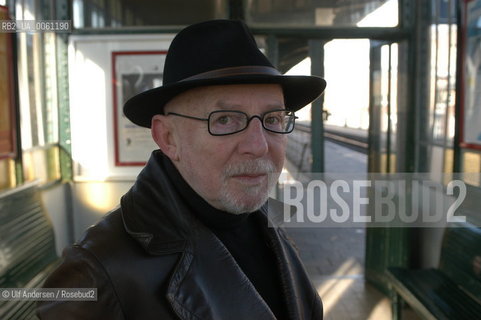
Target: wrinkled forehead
{"points": [[254, 98]]}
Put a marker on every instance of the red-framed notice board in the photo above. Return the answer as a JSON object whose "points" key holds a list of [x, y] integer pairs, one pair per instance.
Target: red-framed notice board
{"points": [[133, 72]]}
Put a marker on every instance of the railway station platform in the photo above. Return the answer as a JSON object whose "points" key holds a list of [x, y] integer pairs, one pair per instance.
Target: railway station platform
{"points": [[335, 257]]}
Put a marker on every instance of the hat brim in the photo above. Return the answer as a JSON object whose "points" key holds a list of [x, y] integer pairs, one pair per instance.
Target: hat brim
{"points": [[298, 92]]}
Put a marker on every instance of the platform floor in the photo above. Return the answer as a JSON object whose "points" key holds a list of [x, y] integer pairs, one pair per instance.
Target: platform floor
{"points": [[334, 257]]}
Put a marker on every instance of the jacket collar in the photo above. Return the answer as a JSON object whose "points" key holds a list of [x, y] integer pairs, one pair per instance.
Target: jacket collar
{"points": [[154, 213], [157, 216]]}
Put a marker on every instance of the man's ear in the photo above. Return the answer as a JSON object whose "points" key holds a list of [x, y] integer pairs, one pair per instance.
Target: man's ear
{"points": [[163, 134]]}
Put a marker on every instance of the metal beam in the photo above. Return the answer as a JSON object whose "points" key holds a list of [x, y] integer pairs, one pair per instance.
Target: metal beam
{"points": [[305, 32], [129, 30], [460, 87], [419, 57], [316, 53], [373, 33]]}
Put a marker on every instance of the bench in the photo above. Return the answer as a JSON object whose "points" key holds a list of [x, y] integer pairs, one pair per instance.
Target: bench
{"points": [[27, 248], [452, 291]]}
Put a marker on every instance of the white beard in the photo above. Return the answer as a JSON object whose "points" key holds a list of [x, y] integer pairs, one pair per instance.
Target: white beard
{"points": [[252, 197]]}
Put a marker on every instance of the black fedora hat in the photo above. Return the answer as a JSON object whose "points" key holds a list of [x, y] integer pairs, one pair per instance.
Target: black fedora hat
{"points": [[213, 53]]}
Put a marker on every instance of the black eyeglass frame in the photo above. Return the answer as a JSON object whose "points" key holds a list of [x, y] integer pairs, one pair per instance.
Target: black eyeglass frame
{"points": [[261, 119]]}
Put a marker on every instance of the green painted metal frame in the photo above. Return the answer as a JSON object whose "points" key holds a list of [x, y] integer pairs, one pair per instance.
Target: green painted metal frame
{"points": [[419, 70], [392, 246], [412, 14], [461, 49], [374, 111], [322, 33], [385, 246], [63, 11], [316, 53], [375, 33]]}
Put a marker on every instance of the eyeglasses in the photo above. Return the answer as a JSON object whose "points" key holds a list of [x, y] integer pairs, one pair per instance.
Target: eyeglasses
{"points": [[222, 122]]}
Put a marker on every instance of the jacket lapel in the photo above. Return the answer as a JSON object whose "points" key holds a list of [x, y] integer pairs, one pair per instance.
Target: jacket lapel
{"points": [[300, 297], [287, 275], [198, 289]]}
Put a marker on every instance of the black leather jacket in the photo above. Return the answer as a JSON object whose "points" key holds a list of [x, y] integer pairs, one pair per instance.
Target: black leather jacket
{"points": [[152, 259]]}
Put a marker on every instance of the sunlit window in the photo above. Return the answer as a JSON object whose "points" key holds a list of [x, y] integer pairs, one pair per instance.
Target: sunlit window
{"points": [[78, 14], [37, 82], [437, 132], [373, 13]]}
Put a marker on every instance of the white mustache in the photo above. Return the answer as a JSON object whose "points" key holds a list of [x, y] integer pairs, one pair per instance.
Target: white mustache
{"points": [[250, 167]]}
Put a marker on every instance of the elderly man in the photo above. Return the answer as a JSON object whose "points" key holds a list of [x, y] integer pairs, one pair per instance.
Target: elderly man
{"points": [[191, 239]]}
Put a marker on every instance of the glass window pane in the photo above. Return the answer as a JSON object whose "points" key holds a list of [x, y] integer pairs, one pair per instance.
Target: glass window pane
{"points": [[128, 13], [472, 84], [448, 160], [471, 163], [41, 164], [443, 74], [346, 64], [437, 162], [369, 13], [7, 174], [78, 13]]}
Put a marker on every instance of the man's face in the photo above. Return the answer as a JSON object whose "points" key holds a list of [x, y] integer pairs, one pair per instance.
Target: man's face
{"points": [[230, 172]]}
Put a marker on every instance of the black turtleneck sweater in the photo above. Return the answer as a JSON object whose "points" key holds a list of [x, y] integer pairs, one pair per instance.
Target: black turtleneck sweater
{"points": [[243, 236]]}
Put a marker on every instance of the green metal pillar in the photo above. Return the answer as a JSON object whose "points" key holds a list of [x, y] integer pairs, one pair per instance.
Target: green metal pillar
{"points": [[316, 53], [461, 51], [63, 13]]}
